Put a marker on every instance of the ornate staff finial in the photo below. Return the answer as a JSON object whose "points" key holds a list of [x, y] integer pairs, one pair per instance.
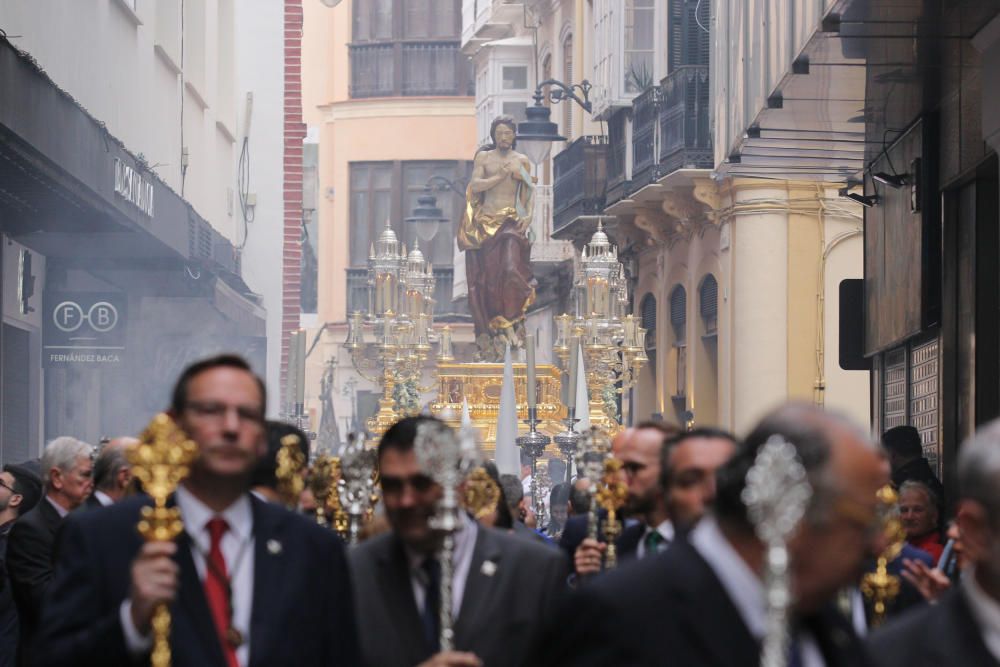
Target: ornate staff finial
{"points": [[481, 495], [160, 461], [356, 487], [776, 495], [611, 495], [290, 461], [880, 586]]}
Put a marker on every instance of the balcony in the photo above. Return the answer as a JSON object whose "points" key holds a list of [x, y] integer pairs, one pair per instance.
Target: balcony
{"points": [[357, 290], [618, 183], [488, 20], [646, 137], [544, 248], [685, 120], [580, 176]]}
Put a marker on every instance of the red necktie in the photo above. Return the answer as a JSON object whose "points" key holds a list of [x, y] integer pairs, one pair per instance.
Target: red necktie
{"points": [[215, 583]]}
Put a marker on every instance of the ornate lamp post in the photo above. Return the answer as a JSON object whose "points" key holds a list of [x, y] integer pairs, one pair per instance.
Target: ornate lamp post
{"points": [[400, 317], [613, 343]]}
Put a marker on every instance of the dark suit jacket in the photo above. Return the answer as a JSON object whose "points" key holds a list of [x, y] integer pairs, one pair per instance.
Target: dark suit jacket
{"points": [[932, 636], [670, 610], [501, 614], [301, 615], [576, 530], [8, 612], [29, 566]]}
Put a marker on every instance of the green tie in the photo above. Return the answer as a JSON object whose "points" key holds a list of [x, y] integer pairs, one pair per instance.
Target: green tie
{"points": [[653, 540]]}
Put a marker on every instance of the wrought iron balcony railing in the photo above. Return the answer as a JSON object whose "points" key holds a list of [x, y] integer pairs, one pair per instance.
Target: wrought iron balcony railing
{"points": [[685, 120], [580, 180]]}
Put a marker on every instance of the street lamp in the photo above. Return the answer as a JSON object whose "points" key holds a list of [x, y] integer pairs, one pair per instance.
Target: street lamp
{"points": [[536, 132], [427, 216]]}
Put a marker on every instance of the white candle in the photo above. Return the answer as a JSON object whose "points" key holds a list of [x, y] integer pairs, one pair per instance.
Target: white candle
{"points": [[530, 359], [574, 364]]}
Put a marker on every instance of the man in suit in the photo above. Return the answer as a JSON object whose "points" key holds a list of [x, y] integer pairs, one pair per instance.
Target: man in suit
{"points": [[504, 587], [248, 583], [19, 493], [963, 628], [68, 480], [112, 473], [639, 449], [702, 604]]}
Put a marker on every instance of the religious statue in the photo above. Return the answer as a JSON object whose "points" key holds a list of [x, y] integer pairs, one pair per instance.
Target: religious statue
{"points": [[493, 234]]}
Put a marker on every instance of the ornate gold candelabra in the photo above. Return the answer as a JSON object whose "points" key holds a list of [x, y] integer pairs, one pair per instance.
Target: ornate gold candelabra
{"points": [[613, 343], [611, 496], [879, 586], [400, 316], [290, 462], [160, 461]]}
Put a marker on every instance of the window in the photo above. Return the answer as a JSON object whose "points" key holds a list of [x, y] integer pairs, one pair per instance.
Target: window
{"points": [[371, 199], [709, 297], [678, 314], [640, 45], [516, 110], [515, 77], [415, 177], [647, 310], [408, 48]]}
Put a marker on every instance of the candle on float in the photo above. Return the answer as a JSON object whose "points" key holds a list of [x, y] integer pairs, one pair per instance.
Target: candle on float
{"points": [[574, 370], [530, 359]]}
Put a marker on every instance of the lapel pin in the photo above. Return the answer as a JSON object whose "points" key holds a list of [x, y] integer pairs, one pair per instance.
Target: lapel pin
{"points": [[489, 568], [273, 547]]}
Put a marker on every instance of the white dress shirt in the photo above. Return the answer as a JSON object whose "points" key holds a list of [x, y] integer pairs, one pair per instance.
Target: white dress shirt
{"points": [[666, 529], [743, 586], [986, 611], [237, 547], [60, 510], [465, 541], [103, 498]]}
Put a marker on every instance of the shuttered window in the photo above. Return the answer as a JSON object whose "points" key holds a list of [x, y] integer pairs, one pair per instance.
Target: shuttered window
{"points": [[647, 309], [709, 306], [678, 314]]}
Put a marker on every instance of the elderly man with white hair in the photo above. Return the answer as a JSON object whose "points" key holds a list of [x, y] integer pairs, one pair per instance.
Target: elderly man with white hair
{"points": [[963, 628], [67, 470]]}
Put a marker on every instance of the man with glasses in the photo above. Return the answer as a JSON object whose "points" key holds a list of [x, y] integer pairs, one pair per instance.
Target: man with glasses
{"points": [[702, 602], [248, 582], [503, 590]]}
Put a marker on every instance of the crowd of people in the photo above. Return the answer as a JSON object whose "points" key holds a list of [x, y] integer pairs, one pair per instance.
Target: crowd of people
{"points": [[251, 583]]}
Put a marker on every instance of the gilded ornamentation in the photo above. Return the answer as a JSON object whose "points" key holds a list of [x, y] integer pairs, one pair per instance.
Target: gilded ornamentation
{"points": [[611, 494], [880, 586], [291, 460], [160, 461], [481, 494]]}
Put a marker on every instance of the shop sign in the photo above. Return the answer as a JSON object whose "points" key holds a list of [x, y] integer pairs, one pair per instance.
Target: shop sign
{"points": [[131, 186], [84, 328]]}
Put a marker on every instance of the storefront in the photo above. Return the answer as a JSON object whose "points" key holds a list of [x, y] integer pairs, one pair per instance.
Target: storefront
{"points": [[111, 281]]}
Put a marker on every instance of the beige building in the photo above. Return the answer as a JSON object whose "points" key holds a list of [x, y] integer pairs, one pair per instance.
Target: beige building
{"points": [[388, 99]]}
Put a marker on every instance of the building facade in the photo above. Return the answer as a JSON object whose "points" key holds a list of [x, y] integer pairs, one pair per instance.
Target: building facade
{"points": [[118, 131], [388, 100], [735, 268]]}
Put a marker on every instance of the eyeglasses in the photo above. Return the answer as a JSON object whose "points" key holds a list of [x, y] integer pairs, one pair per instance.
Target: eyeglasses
{"points": [[218, 411], [395, 485], [8, 486]]}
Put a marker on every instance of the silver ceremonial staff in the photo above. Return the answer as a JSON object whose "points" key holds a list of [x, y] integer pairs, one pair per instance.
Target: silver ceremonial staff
{"points": [[446, 456], [776, 495]]}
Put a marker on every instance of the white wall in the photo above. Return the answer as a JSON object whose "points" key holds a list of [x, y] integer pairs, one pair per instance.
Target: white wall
{"points": [[260, 70], [105, 56]]}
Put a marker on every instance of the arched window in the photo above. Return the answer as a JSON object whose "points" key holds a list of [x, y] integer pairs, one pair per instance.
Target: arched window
{"points": [[678, 314], [647, 310], [709, 306]]}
